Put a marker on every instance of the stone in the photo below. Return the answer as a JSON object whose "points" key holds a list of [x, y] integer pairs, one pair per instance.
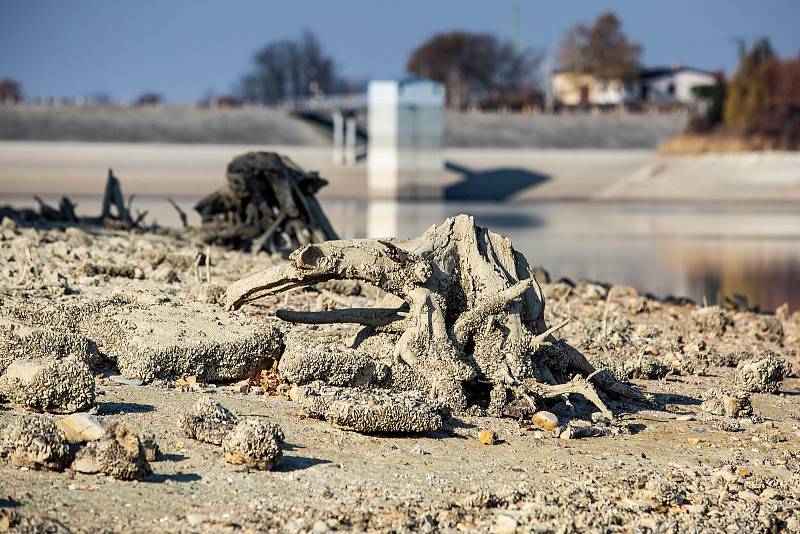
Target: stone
{"points": [[35, 442], [545, 420], [646, 367], [243, 386], [304, 362], [769, 328], [762, 375], [487, 436], [150, 446], [505, 525], [118, 454], [727, 402], [710, 320], [119, 379], [149, 338], [370, 410], [56, 385], [19, 341], [82, 427], [253, 442], [208, 421], [186, 345]]}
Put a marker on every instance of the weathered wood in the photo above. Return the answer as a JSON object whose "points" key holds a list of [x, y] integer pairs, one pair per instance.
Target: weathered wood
{"points": [[475, 315], [266, 203]]}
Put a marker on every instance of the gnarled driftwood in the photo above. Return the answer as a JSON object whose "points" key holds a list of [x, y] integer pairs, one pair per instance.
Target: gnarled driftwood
{"points": [[468, 326], [267, 203]]}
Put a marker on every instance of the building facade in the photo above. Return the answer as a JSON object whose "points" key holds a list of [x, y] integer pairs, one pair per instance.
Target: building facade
{"points": [[673, 85]]}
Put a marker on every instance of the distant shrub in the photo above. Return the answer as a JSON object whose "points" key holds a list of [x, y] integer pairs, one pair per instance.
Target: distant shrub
{"points": [[763, 98]]}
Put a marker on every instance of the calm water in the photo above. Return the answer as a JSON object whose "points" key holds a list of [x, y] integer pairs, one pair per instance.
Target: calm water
{"points": [[694, 251]]}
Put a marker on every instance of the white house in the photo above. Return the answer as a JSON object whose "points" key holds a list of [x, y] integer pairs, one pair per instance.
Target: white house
{"points": [[573, 89], [673, 84], [658, 85]]}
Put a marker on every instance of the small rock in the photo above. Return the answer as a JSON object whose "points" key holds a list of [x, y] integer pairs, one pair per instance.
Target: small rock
{"points": [[417, 449], [243, 386], [710, 320], [304, 362], [82, 427], [34, 442], [769, 328], [320, 527], [119, 379], [545, 420], [505, 525], [487, 436], [769, 494], [195, 520], [165, 274], [763, 375], [727, 402], [150, 446], [254, 443], [118, 454], [370, 410], [207, 420], [49, 384], [728, 426], [646, 367], [693, 441], [743, 472]]}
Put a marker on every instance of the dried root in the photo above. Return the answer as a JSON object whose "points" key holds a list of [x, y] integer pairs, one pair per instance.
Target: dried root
{"points": [[467, 326]]}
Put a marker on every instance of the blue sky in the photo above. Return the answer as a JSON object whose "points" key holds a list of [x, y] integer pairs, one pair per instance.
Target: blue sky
{"points": [[184, 48]]}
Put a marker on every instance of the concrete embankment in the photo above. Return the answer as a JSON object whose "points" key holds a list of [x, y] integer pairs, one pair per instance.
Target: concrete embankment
{"points": [[279, 127], [519, 175]]}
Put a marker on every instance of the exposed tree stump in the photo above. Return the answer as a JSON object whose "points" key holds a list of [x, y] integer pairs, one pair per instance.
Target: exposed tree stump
{"points": [[465, 322], [267, 203]]}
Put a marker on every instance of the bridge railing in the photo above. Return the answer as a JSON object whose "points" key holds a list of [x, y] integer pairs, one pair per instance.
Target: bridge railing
{"points": [[326, 102]]}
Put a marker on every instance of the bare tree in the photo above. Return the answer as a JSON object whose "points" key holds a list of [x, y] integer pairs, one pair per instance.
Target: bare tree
{"points": [[10, 91], [291, 68], [472, 66], [602, 50]]}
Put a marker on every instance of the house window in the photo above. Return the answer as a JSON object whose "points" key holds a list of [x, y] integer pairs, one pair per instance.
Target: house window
{"points": [[671, 89]]}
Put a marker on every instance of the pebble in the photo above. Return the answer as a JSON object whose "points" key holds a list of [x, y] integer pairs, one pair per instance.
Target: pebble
{"points": [[743, 472], [119, 379], [546, 420], [196, 519], [81, 427], [243, 386], [320, 527], [505, 525], [487, 437]]}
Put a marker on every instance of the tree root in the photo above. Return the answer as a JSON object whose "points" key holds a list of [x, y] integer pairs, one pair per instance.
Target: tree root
{"points": [[578, 385], [474, 324]]}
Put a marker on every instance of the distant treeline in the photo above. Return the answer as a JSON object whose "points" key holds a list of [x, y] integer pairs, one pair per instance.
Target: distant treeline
{"points": [[761, 101]]}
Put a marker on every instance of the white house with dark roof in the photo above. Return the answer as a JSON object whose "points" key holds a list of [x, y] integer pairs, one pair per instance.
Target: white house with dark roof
{"points": [[673, 84], [657, 85]]}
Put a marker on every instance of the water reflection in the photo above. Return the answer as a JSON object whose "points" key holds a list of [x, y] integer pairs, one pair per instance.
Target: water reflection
{"points": [[699, 252], [694, 251]]}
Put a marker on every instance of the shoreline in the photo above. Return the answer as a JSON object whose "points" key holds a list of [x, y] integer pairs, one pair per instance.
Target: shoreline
{"points": [[566, 175]]}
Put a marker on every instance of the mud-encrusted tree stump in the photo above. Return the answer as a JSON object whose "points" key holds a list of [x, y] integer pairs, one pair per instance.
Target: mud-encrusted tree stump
{"points": [[463, 321], [266, 203]]}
